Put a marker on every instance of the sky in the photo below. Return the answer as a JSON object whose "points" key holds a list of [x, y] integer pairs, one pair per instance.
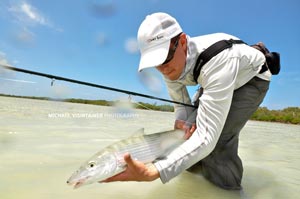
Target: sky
{"points": [[95, 41]]}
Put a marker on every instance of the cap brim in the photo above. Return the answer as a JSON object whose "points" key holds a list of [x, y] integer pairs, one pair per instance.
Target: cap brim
{"points": [[154, 56]]}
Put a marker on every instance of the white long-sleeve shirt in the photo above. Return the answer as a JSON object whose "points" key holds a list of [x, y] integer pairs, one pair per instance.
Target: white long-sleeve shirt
{"points": [[219, 77]]}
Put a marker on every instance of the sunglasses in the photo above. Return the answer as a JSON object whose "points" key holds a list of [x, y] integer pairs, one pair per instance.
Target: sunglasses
{"points": [[171, 52]]}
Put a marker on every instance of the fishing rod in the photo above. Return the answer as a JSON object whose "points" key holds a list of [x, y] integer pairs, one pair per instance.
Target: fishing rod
{"points": [[54, 77]]}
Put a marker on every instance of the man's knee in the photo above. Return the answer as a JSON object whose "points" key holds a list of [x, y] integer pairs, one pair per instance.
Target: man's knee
{"points": [[227, 175]]}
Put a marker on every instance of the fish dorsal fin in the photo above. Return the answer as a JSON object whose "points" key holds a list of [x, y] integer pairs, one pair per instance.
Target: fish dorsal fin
{"points": [[138, 132]]}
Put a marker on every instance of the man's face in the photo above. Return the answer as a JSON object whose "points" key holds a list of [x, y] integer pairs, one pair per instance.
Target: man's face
{"points": [[173, 66]]}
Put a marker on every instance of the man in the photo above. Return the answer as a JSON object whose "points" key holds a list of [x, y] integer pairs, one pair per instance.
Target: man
{"points": [[232, 89]]}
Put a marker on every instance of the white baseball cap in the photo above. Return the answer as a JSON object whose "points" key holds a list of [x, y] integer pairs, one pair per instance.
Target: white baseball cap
{"points": [[154, 38]]}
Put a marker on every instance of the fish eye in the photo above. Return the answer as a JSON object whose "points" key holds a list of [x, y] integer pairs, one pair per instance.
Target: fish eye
{"points": [[91, 164]]}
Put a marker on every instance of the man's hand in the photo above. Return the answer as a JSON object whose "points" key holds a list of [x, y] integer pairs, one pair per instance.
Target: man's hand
{"points": [[135, 171], [261, 47], [187, 128]]}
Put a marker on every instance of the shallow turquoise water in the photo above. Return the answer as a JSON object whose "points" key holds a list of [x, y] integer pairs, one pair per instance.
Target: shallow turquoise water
{"points": [[42, 143]]}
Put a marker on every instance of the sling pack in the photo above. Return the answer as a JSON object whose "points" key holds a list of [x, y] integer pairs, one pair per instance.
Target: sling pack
{"points": [[272, 59]]}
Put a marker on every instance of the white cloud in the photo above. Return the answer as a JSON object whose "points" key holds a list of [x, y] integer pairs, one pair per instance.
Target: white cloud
{"points": [[131, 45], [4, 73], [28, 15], [23, 12], [17, 80], [152, 80], [24, 36], [32, 13], [3, 59]]}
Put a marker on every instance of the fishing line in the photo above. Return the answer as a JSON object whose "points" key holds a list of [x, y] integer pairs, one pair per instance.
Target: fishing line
{"points": [[54, 77]]}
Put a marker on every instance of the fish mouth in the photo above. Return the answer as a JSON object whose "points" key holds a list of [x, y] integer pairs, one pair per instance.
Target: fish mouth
{"points": [[78, 183]]}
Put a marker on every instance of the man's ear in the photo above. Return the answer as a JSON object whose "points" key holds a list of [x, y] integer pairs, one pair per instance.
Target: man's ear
{"points": [[183, 41]]}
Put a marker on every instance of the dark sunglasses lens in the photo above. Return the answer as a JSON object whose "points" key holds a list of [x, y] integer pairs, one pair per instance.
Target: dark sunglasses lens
{"points": [[169, 58], [171, 53]]}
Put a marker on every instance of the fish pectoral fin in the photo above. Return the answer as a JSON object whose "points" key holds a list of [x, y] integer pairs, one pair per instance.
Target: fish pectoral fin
{"points": [[138, 132], [161, 157]]}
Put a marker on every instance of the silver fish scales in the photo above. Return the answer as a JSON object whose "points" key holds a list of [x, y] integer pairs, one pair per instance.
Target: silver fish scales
{"points": [[109, 161]]}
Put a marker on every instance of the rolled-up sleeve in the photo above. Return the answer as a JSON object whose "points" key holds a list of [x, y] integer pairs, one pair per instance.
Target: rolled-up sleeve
{"points": [[218, 83]]}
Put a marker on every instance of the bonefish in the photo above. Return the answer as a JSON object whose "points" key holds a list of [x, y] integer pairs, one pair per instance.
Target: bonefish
{"points": [[109, 161]]}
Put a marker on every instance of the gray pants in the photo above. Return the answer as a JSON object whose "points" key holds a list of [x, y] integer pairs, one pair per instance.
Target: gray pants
{"points": [[223, 166]]}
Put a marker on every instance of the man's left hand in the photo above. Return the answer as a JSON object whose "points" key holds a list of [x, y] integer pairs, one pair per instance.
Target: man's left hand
{"points": [[135, 171], [189, 130]]}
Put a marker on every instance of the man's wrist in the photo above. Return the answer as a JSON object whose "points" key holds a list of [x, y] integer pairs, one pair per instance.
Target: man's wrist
{"points": [[152, 172]]}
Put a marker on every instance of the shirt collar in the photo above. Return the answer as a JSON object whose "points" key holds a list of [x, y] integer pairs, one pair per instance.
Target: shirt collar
{"points": [[192, 53]]}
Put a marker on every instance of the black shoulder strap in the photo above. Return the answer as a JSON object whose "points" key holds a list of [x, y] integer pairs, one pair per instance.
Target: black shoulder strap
{"points": [[212, 51]]}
